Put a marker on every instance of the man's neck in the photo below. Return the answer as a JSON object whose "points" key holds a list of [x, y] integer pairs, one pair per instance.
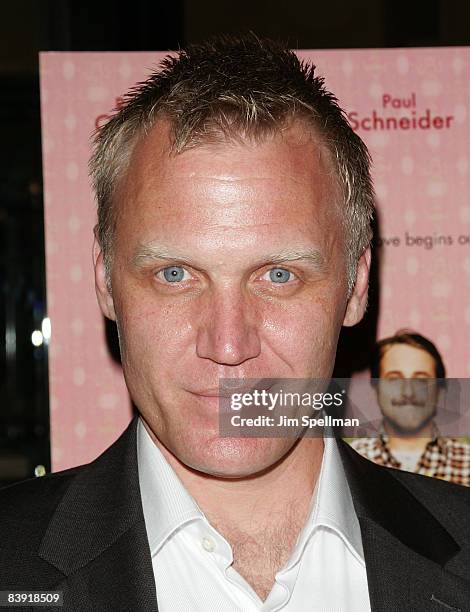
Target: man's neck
{"points": [[261, 516], [249, 504]]}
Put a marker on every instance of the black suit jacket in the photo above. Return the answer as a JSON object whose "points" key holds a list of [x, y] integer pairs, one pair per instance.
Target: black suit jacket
{"points": [[82, 531]]}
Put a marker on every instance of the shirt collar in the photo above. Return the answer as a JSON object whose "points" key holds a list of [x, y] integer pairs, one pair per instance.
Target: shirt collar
{"points": [[436, 440], [165, 502], [167, 505], [332, 505]]}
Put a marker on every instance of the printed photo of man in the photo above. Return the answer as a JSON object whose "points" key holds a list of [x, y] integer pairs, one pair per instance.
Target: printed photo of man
{"points": [[408, 374]]}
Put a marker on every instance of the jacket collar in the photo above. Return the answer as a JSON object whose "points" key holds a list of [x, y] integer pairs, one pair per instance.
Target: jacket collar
{"points": [[412, 561], [97, 535], [380, 497]]}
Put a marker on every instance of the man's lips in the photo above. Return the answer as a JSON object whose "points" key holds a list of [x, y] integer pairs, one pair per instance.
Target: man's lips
{"points": [[415, 403], [213, 393], [227, 391]]}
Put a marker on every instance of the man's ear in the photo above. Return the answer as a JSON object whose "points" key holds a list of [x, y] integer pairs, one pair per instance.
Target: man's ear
{"points": [[358, 300], [103, 294]]}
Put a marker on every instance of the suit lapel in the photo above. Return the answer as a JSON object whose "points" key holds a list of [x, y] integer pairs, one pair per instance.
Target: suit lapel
{"points": [[405, 547], [401, 579], [120, 578], [97, 536]]}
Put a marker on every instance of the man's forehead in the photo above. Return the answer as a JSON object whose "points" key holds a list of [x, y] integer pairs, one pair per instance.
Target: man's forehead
{"points": [[274, 174], [281, 187], [294, 139], [397, 355]]}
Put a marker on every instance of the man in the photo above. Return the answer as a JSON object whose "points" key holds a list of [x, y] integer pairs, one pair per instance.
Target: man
{"points": [[234, 206], [409, 375]]}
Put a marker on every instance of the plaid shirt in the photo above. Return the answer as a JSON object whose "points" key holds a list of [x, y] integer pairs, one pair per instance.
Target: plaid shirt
{"points": [[445, 458]]}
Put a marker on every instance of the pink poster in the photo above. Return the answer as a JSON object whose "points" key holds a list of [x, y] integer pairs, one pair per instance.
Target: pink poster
{"points": [[410, 106]]}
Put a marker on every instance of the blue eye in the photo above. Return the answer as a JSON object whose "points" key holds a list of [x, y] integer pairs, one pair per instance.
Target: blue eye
{"points": [[279, 275], [173, 274]]}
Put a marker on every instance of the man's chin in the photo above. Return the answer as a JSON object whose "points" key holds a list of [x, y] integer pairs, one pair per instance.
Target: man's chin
{"points": [[409, 429], [235, 458]]}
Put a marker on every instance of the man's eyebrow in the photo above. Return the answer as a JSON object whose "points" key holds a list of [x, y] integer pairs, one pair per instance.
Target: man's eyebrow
{"points": [[310, 254], [145, 254]]}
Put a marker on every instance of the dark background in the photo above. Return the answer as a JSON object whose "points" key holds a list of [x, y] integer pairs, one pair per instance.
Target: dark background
{"points": [[30, 26]]}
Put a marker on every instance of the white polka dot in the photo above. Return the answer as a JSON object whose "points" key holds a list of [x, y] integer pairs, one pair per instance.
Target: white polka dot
{"points": [[378, 140], [376, 91], [415, 318], [412, 266], [465, 214], [53, 403], [441, 289], [78, 376], [431, 88], [462, 165], [80, 430], [97, 93], [57, 453], [410, 217], [444, 341], [74, 224], [55, 349], [347, 66], [403, 64], [467, 315], [381, 190], [466, 265], [434, 140], [51, 247], [76, 273], [77, 326], [460, 113], [386, 292], [68, 70], [458, 65], [72, 171], [70, 122], [48, 144], [108, 401], [125, 70], [436, 189], [407, 165]]}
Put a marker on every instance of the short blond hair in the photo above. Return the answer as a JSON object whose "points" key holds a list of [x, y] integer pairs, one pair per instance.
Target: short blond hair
{"points": [[235, 88]]}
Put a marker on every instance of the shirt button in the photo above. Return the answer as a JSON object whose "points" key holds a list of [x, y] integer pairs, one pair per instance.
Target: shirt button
{"points": [[208, 544]]}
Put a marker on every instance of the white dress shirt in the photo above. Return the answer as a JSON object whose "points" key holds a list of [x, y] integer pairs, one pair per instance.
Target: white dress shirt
{"points": [[192, 562]]}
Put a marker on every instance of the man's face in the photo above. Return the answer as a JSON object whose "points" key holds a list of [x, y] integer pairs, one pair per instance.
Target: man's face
{"points": [[407, 392], [228, 262]]}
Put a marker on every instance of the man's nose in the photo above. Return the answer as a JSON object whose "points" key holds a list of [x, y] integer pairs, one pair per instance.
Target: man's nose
{"points": [[228, 332], [407, 388]]}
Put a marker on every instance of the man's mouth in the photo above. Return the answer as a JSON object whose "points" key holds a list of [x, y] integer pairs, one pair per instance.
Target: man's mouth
{"points": [[412, 404], [213, 392]]}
